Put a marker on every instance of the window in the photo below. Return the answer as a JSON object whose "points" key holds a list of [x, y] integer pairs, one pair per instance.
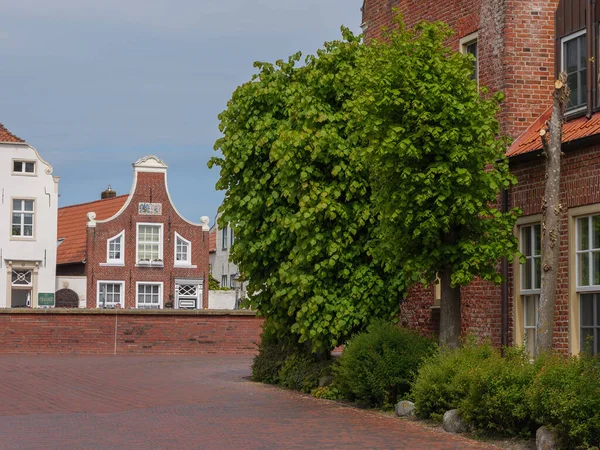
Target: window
{"points": [[110, 294], [183, 251], [22, 218], [149, 295], [149, 243], [114, 249], [531, 279], [574, 63], [587, 261], [26, 167], [223, 281], [231, 238], [224, 238], [468, 46]]}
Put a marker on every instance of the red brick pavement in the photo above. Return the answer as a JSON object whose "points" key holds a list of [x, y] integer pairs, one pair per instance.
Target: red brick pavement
{"points": [[181, 402]]}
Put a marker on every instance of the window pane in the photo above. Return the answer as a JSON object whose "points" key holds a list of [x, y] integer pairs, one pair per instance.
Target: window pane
{"points": [[596, 268], [28, 219], [526, 241], [530, 335], [28, 205], [596, 232], [587, 340], [17, 166], [527, 282], [587, 310], [583, 87], [584, 269], [16, 205], [530, 311], [30, 167], [582, 52], [28, 230], [572, 82], [537, 240], [570, 56], [538, 273], [583, 234]]}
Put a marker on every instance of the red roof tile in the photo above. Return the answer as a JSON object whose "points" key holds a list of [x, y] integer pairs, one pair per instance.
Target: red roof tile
{"points": [[72, 222], [575, 129], [212, 240], [7, 136]]}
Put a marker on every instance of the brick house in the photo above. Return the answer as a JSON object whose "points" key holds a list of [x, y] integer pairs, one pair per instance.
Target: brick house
{"points": [[144, 254], [520, 47]]}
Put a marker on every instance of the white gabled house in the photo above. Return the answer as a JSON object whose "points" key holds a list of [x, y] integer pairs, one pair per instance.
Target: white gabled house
{"points": [[28, 221]]}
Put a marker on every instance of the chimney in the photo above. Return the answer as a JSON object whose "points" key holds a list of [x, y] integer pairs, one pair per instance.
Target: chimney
{"points": [[109, 193]]}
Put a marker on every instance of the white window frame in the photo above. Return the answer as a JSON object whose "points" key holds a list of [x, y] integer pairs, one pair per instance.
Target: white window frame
{"points": [[119, 282], [224, 238], [152, 283], [464, 43], [589, 251], [188, 261], [563, 41], [224, 281], [533, 290], [23, 172], [22, 212], [115, 261], [159, 260]]}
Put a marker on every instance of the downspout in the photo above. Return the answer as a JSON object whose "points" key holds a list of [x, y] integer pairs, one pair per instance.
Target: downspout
{"points": [[589, 35], [504, 287]]}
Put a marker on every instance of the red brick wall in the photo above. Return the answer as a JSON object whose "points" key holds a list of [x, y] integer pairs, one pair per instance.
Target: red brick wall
{"points": [[150, 187], [93, 332]]}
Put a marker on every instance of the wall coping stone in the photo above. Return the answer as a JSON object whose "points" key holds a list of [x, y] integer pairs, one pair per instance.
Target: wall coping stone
{"points": [[130, 312]]}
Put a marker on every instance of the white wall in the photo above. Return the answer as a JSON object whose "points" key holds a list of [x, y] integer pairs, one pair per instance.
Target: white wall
{"points": [[77, 284], [221, 299], [220, 263], [41, 249]]}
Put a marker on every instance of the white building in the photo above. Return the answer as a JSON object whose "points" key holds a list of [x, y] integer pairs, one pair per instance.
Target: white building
{"points": [[28, 220]]}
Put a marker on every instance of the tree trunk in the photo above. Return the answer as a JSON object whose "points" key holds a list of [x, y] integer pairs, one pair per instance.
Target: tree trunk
{"points": [[551, 212], [449, 312]]}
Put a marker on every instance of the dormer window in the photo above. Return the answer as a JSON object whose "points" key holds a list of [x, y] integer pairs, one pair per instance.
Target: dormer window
{"points": [[574, 63]]}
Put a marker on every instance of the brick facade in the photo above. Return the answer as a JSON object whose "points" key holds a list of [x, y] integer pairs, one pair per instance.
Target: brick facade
{"points": [[516, 55], [149, 187], [53, 331]]}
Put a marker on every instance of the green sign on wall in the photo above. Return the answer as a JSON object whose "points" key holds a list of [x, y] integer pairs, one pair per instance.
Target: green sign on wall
{"points": [[45, 299]]}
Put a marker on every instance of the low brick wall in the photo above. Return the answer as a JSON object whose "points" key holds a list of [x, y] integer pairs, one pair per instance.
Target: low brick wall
{"points": [[95, 331]]}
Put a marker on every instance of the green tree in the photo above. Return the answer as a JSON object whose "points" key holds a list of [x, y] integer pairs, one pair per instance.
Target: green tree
{"points": [[300, 199], [437, 164]]}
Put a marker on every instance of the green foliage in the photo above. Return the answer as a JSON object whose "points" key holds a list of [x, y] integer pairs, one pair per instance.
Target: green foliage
{"points": [[327, 393], [272, 353], [300, 199], [437, 387], [437, 163], [213, 284], [302, 371], [496, 394], [379, 365], [566, 396]]}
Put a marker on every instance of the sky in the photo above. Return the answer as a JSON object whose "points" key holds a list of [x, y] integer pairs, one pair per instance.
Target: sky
{"points": [[96, 85]]}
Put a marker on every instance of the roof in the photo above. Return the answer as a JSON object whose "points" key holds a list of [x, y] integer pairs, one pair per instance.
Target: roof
{"points": [[574, 129], [7, 136], [212, 240], [72, 223]]}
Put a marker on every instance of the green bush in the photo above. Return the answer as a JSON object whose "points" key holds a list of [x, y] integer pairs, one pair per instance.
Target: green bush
{"points": [[566, 396], [380, 364], [437, 387], [302, 371], [327, 393], [496, 399], [272, 353]]}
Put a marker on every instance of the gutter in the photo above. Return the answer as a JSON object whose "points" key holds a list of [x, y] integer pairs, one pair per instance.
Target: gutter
{"points": [[504, 287]]}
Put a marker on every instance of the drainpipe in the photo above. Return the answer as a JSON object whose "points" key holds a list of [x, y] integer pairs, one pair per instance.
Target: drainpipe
{"points": [[504, 287], [589, 35]]}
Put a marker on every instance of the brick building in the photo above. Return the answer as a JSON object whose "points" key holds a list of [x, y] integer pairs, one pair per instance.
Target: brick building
{"points": [[136, 251], [520, 47]]}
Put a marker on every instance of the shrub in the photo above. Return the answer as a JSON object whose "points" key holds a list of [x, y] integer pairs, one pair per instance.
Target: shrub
{"points": [[496, 400], [301, 371], [327, 393], [437, 387], [566, 396], [380, 364], [272, 353]]}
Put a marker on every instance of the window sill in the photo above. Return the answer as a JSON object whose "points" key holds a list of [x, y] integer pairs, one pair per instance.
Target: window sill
{"points": [[149, 264], [434, 307], [120, 264], [22, 238], [24, 174], [185, 266]]}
